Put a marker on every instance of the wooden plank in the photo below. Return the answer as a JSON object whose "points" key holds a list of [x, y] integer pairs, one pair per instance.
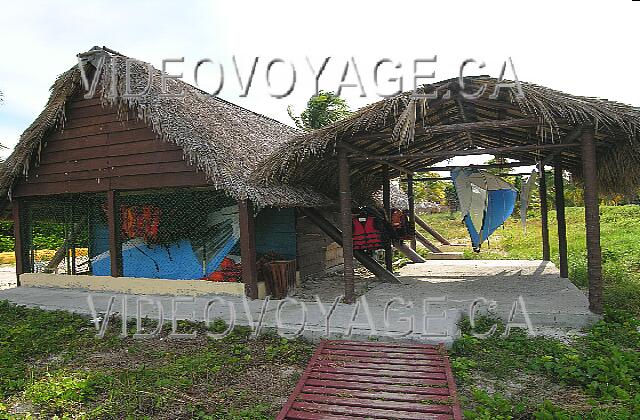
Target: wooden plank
{"points": [[107, 162], [178, 168], [385, 354], [408, 360], [374, 347], [376, 404], [371, 344], [76, 143], [386, 366], [178, 179], [89, 111], [63, 187], [379, 372], [97, 129], [367, 412], [378, 380], [310, 415], [400, 389], [120, 149], [77, 121], [79, 101]]}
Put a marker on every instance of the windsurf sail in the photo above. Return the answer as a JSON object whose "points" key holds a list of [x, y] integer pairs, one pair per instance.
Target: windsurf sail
{"points": [[486, 201]]}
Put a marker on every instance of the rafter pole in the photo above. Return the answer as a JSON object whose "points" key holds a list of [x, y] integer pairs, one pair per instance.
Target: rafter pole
{"points": [[363, 153], [472, 152]]}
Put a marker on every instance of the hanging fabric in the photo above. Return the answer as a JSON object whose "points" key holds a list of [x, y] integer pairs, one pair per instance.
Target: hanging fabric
{"points": [[486, 201], [525, 198]]}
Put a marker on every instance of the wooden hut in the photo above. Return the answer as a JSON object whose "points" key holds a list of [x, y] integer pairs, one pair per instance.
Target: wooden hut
{"points": [[596, 140], [149, 177]]}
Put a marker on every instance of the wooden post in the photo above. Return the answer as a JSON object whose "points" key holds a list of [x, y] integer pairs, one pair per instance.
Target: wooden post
{"points": [[386, 203], [19, 239], [346, 224], [113, 224], [544, 213], [560, 215], [412, 211], [248, 248], [592, 220]]}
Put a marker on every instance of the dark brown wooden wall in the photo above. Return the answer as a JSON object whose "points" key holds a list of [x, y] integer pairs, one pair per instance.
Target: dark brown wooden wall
{"points": [[97, 152]]}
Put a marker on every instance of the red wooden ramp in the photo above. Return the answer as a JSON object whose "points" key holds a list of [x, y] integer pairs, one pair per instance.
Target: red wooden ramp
{"points": [[357, 380]]}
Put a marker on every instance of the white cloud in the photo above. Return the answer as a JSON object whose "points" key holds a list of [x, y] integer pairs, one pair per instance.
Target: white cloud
{"points": [[582, 47]]}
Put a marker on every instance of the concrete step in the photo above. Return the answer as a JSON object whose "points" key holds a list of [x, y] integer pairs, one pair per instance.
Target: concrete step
{"points": [[445, 256]]}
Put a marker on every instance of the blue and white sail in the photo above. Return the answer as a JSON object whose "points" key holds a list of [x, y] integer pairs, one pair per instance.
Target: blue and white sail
{"points": [[486, 201]]}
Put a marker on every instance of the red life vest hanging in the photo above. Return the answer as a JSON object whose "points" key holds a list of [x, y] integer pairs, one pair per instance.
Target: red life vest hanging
{"points": [[366, 236]]}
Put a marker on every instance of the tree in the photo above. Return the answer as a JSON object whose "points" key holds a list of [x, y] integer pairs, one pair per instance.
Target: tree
{"points": [[322, 109]]}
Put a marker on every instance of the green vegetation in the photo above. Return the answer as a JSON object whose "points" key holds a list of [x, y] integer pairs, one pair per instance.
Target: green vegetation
{"points": [[322, 109], [595, 375], [51, 365]]}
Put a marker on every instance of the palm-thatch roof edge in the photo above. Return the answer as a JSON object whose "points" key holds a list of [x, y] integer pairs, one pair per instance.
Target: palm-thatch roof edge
{"points": [[388, 127], [223, 140]]}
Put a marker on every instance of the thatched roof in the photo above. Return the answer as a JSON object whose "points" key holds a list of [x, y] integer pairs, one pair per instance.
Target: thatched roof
{"points": [[224, 140], [401, 125]]}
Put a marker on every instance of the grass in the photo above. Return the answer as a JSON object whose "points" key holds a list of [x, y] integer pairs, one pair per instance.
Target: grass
{"points": [[595, 375], [52, 365]]}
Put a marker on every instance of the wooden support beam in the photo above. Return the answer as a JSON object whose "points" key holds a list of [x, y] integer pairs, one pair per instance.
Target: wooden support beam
{"points": [[412, 211], [477, 125], [346, 224], [113, 225], [448, 178], [592, 221], [386, 204], [336, 234], [248, 248], [470, 152], [432, 231], [544, 213], [428, 244], [485, 166], [18, 234], [409, 253], [363, 153], [561, 218]]}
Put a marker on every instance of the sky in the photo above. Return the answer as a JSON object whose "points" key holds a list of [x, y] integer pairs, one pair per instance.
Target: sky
{"points": [[580, 47]]}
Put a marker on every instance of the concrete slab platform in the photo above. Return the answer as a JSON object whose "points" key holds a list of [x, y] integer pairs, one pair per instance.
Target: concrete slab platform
{"points": [[425, 307]]}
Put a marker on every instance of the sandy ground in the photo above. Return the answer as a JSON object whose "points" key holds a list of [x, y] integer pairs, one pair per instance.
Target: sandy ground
{"points": [[7, 277]]}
